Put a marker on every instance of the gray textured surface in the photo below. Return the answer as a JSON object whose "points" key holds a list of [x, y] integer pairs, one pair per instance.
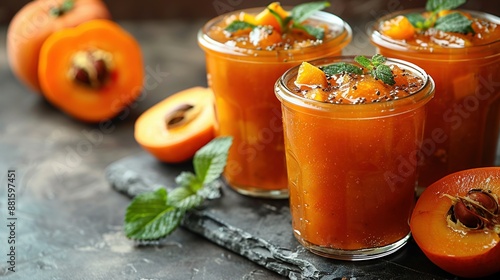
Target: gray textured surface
{"points": [[260, 230]]}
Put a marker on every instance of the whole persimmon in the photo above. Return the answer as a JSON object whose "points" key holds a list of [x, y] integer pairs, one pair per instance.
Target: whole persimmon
{"points": [[92, 71], [35, 22], [175, 128], [456, 222]]}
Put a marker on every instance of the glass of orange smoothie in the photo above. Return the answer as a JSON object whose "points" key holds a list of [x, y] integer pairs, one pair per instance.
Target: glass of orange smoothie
{"points": [[242, 67], [463, 122], [351, 141]]}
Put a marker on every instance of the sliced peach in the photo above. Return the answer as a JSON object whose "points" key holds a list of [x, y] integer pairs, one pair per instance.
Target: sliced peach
{"points": [[311, 76], [399, 28], [456, 222], [175, 128], [267, 18]]}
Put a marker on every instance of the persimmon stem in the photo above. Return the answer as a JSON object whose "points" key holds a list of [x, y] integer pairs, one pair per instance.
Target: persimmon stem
{"points": [[65, 7]]}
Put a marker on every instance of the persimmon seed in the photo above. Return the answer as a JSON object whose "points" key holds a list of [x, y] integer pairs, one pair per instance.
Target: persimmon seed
{"points": [[179, 115], [466, 216], [101, 70], [82, 76], [90, 67], [486, 199]]}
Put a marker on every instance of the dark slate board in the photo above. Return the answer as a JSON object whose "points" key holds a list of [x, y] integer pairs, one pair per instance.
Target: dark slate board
{"points": [[260, 230]]}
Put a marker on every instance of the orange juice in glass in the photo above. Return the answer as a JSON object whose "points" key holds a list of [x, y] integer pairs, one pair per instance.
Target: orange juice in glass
{"points": [[348, 139], [463, 119], [242, 67]]}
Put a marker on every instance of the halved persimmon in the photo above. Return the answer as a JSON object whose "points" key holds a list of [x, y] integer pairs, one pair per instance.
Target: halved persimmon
{"points": [[91, 72], [35, 22], [456, 222], [174, 129]]}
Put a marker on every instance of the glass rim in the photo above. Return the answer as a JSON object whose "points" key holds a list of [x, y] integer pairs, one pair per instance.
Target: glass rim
{"points": [[209, 43], [381, 40], [380, 109]]}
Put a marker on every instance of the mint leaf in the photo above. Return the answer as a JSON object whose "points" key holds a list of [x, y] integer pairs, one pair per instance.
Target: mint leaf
{"points": [[435, 6], [363, 61], [317, 32], [341, 67], [454, 22], [154, 215], [384, 73], [378, 59], [238, 25], [303, 11], [184, 199], [210, 160], [148, 217], [438, 5], [416, 19], [188, 180], [377, 68]]}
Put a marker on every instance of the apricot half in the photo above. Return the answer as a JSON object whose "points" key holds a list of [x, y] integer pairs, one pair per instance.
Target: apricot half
{"points": [[456, 222], [175, 128]]}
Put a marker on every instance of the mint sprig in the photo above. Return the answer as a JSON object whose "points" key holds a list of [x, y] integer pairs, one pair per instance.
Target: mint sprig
{"points": [[454, 22], [154, 215], [377, 68], [437, 6], [302, 12]]}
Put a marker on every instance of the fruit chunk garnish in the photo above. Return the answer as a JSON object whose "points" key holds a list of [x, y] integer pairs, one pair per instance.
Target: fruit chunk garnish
{"points": [[363, 81], [174, 129], [456, 222], [279, 22], [399, 28]]}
